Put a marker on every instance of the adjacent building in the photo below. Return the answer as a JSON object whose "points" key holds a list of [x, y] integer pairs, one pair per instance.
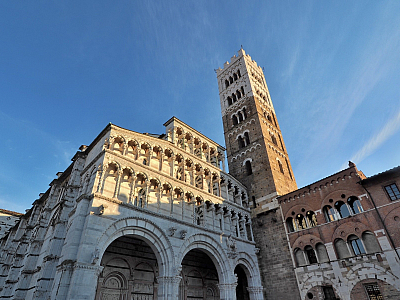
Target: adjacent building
{"points": [[343, 232]]}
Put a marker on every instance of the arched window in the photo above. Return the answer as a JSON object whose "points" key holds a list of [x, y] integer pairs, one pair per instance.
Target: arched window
{"points": [[300, 259], [370, 242], [312, 258], [238, 94], [341, 249], [238, 72], [234, 120], [342, 208], [300, 222], [240, 117], [322, 254], [274, 119], [141, 198], [234, 97], [226, 83], [229, 100], [289, 224], [248, 168], [356, 245], [273, 138], [312, 219], [230, 80], [199, 181], [234, 76], [280, 167], [355, 205], [242, 89], [330, 213], [247, 138], [244, 113], [241, 142]]}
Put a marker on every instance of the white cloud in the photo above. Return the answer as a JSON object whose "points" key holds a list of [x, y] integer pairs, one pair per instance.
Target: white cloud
{"points": [[391, 127]]}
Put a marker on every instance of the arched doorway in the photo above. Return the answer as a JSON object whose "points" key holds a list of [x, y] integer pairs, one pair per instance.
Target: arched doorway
{"points": [[199, 277], [130, 271], [242, 284]]}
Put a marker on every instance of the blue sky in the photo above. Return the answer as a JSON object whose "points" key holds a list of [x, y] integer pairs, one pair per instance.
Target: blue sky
{"points": [[68, 68]]}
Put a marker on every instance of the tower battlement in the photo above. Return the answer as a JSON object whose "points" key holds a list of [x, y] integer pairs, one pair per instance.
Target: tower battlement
{"points": [[235, 58]]}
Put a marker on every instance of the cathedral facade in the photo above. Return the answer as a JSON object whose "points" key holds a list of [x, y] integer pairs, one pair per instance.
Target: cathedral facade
{"points": [[155, 216], [137, 216]]}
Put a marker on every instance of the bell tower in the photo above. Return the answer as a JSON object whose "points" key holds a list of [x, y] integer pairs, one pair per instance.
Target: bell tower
{"points": [[256, 152], [257, 157]]}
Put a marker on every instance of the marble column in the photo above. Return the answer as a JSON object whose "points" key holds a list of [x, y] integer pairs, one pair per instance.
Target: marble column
{"points": [[168, 287], [255, 292], [227, 291]]}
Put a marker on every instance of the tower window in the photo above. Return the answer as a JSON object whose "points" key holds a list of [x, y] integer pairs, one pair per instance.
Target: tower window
{"points": [[247, 138], [248, 168], [273, 138], [244, 113], [393, 191], [226, 83], [235, 76], [230, 80], [234, 120], [240, 117], [238, 72], [241, 142], [229, 100], [242, 89], [281, 167], [290, 173]]}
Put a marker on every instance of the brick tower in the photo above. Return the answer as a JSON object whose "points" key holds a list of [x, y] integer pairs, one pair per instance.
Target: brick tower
{"points": [[258, 158]]}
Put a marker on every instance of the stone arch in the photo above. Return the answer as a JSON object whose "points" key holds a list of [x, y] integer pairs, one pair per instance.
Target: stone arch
{"points": [[345, 230], [335, 195], [250, 268], [214, 250], [313, 281], [375, 272], [143, 229], [140, 263], [119, 258], [297, 209], [118, 144], [388, 291], [304, 240], [168, 152]]}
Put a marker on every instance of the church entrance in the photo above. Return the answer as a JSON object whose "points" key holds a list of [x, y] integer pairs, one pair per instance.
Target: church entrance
{"points": [[241, 288], [130, 271], [199, 277]]}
